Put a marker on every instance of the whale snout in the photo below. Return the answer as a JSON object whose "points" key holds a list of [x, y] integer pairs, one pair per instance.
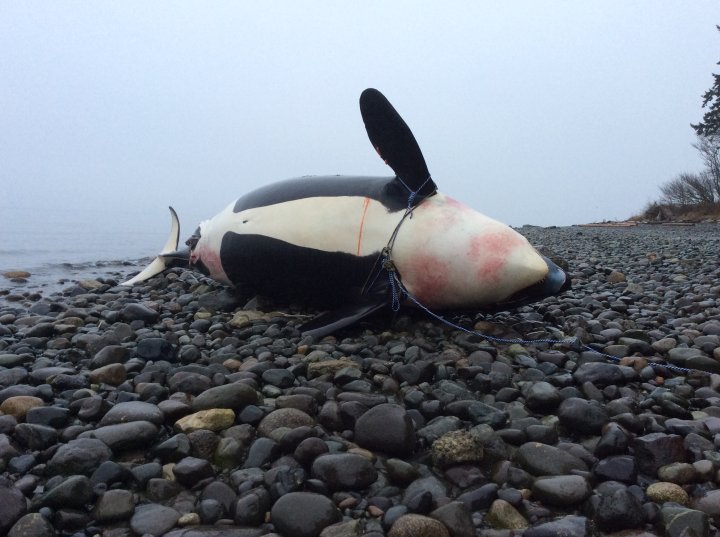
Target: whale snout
{"points": [[556, 281]]}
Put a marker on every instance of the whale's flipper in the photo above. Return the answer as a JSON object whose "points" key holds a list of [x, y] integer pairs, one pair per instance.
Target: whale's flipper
{"points": [[330, 321], [395, 143], [168, 256]]}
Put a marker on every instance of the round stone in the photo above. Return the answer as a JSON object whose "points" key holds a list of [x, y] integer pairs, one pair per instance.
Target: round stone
{"points": [[386, 428], [662, 492], [216, 419], [304, 514], [32, 525], [413, 525], [582, 416], [115, 504], [503, 515], [344, 471], [80, 456], [290, 418], [12, 506], [133, 411], [153, 519], [19, 405], [456, 447], [235, 396], [541, 459], [562, 490]]}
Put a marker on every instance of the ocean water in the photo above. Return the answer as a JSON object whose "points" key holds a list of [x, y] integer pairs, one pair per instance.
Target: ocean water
{"points": [[62, 245]]}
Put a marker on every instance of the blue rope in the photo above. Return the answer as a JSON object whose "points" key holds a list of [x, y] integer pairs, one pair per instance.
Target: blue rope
{"points": [[413, 193], [568, 341], [398, 290]]}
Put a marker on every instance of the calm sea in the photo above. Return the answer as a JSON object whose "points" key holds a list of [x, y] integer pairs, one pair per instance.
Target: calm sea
{"points": [[63, 245]]}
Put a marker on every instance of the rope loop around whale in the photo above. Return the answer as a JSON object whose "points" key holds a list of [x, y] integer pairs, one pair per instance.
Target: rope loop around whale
{"points": [[399, 292]]}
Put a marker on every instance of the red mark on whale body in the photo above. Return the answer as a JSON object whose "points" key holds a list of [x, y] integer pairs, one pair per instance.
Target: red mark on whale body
{"points": [[427, 277], [455, 204], [489, 251], [211, 259]]}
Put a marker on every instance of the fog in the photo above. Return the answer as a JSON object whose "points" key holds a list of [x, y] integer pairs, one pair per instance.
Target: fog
{"points": [[533, 112]]}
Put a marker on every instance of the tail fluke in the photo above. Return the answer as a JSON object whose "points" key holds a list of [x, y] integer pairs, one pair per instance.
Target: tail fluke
{"points": [[169, 256]]}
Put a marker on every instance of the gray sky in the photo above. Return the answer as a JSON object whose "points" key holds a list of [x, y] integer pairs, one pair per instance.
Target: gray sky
{"points": [[533, 112]]}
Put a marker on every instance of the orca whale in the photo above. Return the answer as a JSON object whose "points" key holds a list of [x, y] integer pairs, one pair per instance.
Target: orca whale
{"points": [[338, 241]]}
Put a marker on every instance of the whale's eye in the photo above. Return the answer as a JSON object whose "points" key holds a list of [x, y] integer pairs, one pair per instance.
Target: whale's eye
{"points": [[193, 240]]}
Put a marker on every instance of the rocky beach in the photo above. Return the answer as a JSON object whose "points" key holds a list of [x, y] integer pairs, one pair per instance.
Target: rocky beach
{"points": [[175, 409]]}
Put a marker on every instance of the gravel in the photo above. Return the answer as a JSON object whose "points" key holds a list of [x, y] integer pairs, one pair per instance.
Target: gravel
{"points": [[169, 409]]}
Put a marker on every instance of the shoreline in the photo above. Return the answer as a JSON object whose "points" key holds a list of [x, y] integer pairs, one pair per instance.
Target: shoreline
{"points": [[166, 408]]}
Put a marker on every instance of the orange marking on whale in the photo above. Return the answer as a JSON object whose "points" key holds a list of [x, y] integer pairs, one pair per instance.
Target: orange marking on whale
{"points": [[366, 203]]}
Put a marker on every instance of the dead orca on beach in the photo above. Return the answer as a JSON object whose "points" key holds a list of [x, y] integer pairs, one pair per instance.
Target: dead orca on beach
{"points": [[339, 241]]}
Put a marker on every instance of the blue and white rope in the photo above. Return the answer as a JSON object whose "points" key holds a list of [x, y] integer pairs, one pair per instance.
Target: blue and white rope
{"points": [[398, 291]]}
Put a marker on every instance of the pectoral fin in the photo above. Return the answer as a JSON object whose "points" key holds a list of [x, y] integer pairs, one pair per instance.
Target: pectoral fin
{"points": [[330, 321]]}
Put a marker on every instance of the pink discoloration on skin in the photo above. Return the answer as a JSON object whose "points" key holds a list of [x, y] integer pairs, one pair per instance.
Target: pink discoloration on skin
{"points": [[444, 216], [211, 260], [456, 205], [428, 278], [490, 252]]}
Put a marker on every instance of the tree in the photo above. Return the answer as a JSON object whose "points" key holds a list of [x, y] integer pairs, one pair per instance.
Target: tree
{"points": [[709, 149], [710, 124], [689, 189]]}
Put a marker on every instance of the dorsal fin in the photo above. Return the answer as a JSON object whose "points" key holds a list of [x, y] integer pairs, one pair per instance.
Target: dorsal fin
{"points": [[395, 143]]}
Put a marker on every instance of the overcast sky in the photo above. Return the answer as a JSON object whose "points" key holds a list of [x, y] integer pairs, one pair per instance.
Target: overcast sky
{"points": [[533, 112]]}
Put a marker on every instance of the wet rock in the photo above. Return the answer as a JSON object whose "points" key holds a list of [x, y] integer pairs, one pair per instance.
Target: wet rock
{"points": [[290, 418], [113, 374], [80, 456], [456, 447], [116, 504], [124, 436], [192, 470], [456, 518], [680, 473], [75, 491], [599, 374], [19, 405], [153, 519], [234, 396], [540, 459], [387, 428], [658, 449], [677, 520], [32, 525], [709, 503], [561, 491], [133, 411], [619, 510], [662, 492], [616, 468], [138, 312], [216, 419], [344, 471], [567, 526], [35, 437], [542, 397], [12, 507], [580, 416], [304, 514], [109, 355], [413, 525]]}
